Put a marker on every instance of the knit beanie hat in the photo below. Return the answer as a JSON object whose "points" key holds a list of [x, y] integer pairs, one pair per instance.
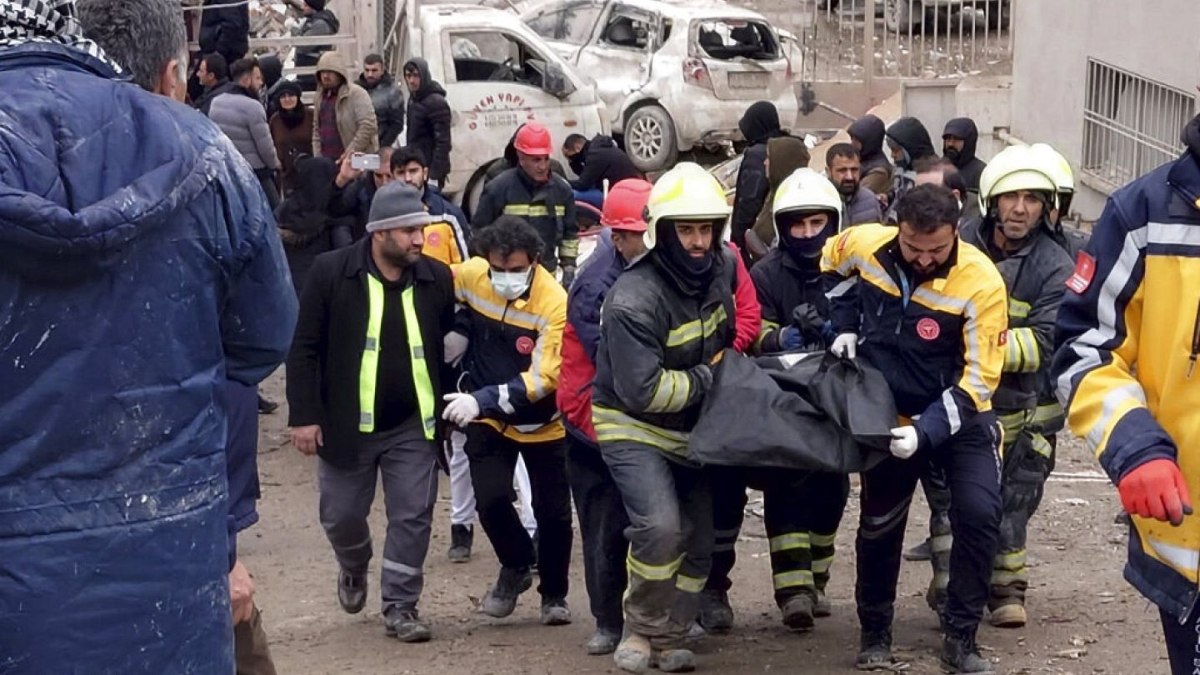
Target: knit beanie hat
{"points": [[397, 204], [317, 5]]}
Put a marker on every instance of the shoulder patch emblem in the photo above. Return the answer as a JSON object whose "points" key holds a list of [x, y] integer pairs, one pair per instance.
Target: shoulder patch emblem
{"points": [[525, 345], [1085, 271], [928, 329], [433, 239]]}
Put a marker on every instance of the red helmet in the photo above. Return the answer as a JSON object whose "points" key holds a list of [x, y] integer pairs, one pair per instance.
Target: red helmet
{"points": [[625, 205], [533, 139]]}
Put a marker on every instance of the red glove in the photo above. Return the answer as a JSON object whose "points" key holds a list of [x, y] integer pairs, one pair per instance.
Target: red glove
{"points": [[1156, 490]]}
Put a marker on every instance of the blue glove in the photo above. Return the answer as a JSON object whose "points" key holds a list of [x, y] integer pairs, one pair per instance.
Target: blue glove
{"points": [[790, 338]]}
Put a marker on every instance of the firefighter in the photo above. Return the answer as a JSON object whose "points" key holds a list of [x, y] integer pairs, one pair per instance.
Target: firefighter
{"points": [[544, 199], [802, 509], [929, 311], [664, 324], [1123, 367], [512, 314], [1017, 195]]}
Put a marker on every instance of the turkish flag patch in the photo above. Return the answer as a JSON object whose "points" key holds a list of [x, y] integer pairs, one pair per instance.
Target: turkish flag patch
{"points": [[1085, 271]]}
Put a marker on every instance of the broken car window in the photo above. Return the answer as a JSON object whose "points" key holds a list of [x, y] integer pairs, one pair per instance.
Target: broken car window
{"points": [[626, 31], [731, 39], [496, 57]]}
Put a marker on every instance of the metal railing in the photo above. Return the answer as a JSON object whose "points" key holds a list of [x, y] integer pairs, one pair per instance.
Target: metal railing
{"points": [[1130, 124], [853, 40]]}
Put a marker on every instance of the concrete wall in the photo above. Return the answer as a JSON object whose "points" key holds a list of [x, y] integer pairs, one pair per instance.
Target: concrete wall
{"points": [[1155, 39]]}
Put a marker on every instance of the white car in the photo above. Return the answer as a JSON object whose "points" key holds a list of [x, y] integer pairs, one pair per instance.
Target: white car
{"points": [[672, 73]]}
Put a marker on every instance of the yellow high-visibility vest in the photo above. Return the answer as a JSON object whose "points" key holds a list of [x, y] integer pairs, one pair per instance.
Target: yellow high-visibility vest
{"points": [[369, 371]]}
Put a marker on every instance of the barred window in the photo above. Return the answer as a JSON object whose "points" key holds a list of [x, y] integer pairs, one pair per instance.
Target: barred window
{"points": [[1131, 124]]}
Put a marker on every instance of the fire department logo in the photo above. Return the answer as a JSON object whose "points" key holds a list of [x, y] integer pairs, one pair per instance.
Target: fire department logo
{"points": [[433, 239], [524, 345], [928, 329]]}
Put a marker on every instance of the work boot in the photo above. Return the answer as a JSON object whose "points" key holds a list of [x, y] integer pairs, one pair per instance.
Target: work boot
{"points": [[462, 537], [960, 654], [405, 625], [1010, 615], [823, 608], [266, 406], [673, 660], [602, 642], [875, 651], [352, 591], [716, 616], [920, 553], [555, 612], [798, 612], [633, 653], [501, 599]]}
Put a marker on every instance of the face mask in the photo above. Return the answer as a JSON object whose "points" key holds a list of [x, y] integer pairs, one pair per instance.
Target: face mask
{"points": [[510, 285]]}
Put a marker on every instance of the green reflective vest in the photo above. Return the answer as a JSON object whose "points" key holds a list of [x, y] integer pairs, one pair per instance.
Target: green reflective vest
{"points": [[368, 372]]}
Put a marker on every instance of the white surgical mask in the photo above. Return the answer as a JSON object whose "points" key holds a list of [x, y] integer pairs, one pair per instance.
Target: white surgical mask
{"points": [[510, 285]]}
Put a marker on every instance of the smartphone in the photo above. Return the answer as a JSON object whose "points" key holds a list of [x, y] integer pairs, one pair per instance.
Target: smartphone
{"points": [[361, 162]]}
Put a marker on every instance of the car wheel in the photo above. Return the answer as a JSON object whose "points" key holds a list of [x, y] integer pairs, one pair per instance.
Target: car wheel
{"points": [[897, 14], [474, 191], [650, 139]]}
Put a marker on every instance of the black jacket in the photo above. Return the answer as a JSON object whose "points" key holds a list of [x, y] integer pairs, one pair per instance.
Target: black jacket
{"points": [[603, 159], [869, 131], [783, 285], [323, 366], [758, 125], [389, 108], [225, 31], [549, 207], [429, 122], [656, 344], [205, 101], [969, 166], [911, 135], [319, 23]]}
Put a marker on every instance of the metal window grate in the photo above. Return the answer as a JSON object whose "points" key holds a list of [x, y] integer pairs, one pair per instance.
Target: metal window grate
{"points": [[1131, 124]]}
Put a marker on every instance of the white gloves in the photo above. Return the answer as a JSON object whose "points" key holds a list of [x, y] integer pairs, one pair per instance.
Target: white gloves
{"points": [[845, 345], [454, 345], [904, 442], [461, 409]]}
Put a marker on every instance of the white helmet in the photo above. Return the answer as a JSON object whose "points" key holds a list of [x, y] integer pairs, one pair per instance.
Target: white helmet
{"points": [[1015, 168], [686, 192], [807, 190]]}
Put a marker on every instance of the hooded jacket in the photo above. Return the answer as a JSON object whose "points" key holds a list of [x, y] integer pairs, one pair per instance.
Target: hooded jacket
{"points": [[1126, 339], [323, 22], [429, 122], [356, 121], [786, 154], [869, 131], [758, 125], [241, 117], [389, 107], [969, 166], [138, 271], [225, 30], [913, 138], [603, 159]]}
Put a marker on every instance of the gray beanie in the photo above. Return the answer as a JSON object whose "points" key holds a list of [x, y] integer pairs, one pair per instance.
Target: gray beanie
{"points": [[397, 204]]}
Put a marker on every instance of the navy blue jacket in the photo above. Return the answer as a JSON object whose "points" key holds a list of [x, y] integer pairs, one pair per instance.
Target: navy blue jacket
{"points": [[139, 269]]}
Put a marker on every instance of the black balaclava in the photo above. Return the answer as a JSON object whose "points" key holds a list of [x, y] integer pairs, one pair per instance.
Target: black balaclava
{"points": [[805, 252], [760, 123], [692, 275]]}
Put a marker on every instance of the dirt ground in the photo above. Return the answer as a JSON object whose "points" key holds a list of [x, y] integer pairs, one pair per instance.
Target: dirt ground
{"points": [[1083, 617]]}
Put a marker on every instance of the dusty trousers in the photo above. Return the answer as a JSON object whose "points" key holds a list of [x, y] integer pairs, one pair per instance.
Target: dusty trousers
{"points": [[670, 534], [408, 466], [493, 461], [602, 525], [972, 463], [802, 511]]}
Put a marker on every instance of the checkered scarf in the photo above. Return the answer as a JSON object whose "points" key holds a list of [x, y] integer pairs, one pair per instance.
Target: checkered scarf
{"points": [[24, 21]]}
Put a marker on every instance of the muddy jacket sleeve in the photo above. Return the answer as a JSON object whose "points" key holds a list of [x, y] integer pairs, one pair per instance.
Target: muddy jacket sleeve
{"points": [[1099, 325], [985, 322], [641, 383]]}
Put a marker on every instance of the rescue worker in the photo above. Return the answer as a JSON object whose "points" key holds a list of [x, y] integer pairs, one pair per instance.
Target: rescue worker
{"points": [[1072, 239], [758, 125], [929, 311], [446, 237], [867, 135], [530, 190], [803, 509], [1123, 366], [602, 518], [366, 416], [664, 323], [1017, 196], [909, 142], [959, 139], [512, 314]]}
